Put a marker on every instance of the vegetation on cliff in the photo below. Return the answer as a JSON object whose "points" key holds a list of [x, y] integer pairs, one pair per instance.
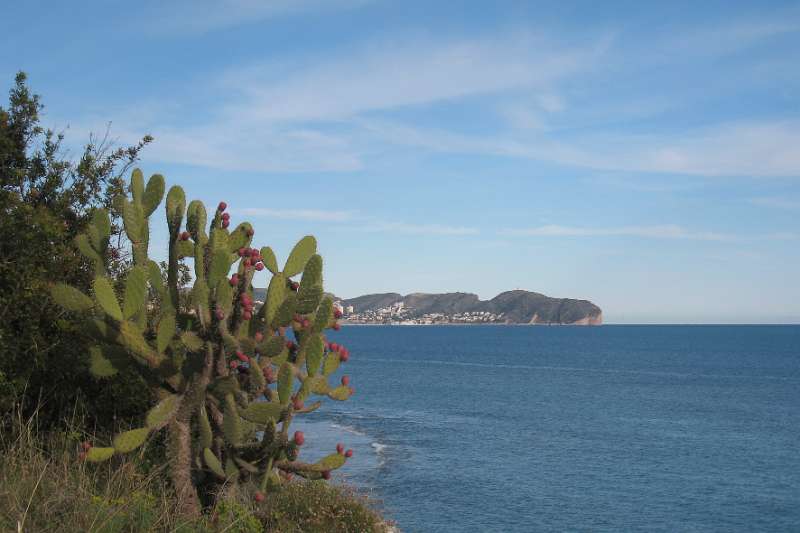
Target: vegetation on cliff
{"points": [[44, 488], [91, 324]]}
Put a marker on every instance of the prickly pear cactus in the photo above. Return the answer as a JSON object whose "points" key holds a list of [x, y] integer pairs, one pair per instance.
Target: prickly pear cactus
{"points": [[231, 374]]}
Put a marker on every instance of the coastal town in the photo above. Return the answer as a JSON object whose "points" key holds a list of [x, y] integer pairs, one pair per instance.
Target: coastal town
{"points": [[399, 314]]}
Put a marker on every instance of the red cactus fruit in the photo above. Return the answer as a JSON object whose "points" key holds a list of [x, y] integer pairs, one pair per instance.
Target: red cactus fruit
{"points": [[185, 236], [242, 251], [247, 315], [297, 403], [226, 216], [336, 326], [337, 314], [334, 347], [326, 474], [254, 252], [234, 364], [290, 345], [344, 355], [235, 280], [340, 448], [220, 314], [259, 336], [259, 266], [247, 263], [299, 438], [241, 356], [226, 223], [259, 497], [222, 206], [345, 380], [348, 454]]}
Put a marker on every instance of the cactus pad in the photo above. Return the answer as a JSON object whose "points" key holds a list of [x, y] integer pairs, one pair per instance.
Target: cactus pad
{"points": [[130, 440], [213, 463], [71, 298], [263, 412], [104, 293], [163, 411], [299, 256], [98, 455]]}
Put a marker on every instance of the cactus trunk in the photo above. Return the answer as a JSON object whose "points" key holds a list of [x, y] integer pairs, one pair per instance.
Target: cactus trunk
{"points": [[179, 455]]}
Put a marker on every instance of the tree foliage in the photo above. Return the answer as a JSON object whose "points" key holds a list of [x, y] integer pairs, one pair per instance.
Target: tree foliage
{"points": [[46, 199]]}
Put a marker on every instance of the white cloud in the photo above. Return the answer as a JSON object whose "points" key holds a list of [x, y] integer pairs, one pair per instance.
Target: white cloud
{"points": [[418, 229], [738, 149], [201, 16], [365, 223], [731, 37], [253, 148], [399, 74], [665, 231], [779, 203], [318, 114], [317, 215], [669, 231], [767, 149]]}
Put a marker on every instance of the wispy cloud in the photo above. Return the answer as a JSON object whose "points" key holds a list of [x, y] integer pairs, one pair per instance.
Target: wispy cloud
{"points": [[316, 215], [418, 229], [320, 113], [240, 146], [202, 16], [731, 37], [395, 74], [669, 231], [767, 149], [366, 223], [776, 202], [308, 116]]}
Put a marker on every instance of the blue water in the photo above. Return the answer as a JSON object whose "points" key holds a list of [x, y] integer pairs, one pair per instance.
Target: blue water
{"points": [[616, 428]]}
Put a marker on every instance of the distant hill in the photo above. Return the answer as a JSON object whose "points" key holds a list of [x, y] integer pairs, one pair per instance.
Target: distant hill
{"points": [[516, 307]]}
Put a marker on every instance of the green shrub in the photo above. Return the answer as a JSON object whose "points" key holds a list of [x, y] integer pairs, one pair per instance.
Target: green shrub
{"points": [[316, 507], [45, 201]]}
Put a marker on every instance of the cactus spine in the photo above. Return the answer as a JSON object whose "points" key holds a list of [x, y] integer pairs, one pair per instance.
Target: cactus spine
{"points": [[212, 358]]}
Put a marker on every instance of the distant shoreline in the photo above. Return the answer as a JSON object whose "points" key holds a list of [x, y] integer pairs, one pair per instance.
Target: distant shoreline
{"points": [[344, 323], [360, 324]]}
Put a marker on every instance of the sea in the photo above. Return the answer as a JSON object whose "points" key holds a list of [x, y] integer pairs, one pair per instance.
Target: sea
{"points": [[610, 428]]}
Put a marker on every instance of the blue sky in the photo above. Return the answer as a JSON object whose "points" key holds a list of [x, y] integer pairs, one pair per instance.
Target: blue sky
{"points": [[642, 155]]}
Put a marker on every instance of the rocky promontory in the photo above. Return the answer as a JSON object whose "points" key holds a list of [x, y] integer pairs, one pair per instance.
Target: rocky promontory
{"points": [[511, 307]]}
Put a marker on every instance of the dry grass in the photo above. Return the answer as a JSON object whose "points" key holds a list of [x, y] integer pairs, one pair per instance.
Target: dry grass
{"points": [[44, 488]]}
